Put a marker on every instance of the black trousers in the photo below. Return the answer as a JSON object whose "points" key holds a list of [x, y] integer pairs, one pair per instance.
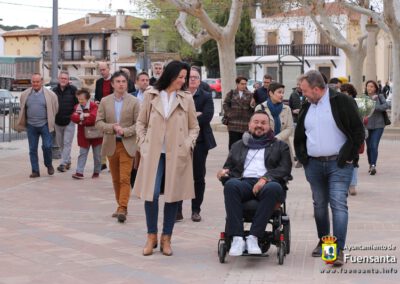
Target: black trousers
{"points": [[233, 137], [237, 191], [200, 154]]}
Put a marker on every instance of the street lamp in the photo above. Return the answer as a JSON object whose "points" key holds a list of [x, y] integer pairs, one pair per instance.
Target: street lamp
{"points": [[145, 33]]}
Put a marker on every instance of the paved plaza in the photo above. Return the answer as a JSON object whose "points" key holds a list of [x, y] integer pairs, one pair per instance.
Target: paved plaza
{"points": [[59, 230]]}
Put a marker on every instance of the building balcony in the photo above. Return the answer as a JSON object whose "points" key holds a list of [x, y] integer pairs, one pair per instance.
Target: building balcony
{"points": [[77, 55], [296, 49]]}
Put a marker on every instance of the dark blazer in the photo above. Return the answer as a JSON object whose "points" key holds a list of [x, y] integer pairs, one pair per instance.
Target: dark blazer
{"points": [[131, 86], [345, 113], [277, 161], [98, 92], [204, 104]]}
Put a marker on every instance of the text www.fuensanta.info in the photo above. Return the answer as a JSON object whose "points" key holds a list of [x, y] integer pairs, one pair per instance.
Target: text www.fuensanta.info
{"points": [[359, 271]]}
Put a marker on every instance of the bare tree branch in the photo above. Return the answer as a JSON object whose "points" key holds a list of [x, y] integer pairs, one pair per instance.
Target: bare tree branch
{"points": [[194, 40]]}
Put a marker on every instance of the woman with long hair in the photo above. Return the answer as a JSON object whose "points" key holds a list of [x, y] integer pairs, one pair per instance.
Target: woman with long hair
{"points": [[375, 125], [167, 130]]}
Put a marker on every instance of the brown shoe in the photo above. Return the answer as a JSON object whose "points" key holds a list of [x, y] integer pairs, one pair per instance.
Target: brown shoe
{"points": [[339, 259], [121, 214], [34, 175], [352, 190], [50, 170], [165, 245], [67, 166], [151, 244], [115, 214]]}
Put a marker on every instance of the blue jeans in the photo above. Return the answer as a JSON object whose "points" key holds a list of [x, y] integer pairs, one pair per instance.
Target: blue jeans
{"points": [[151, 208], [374, 136], [237, 191], [47, 142], [330, 184], [354, 177]]}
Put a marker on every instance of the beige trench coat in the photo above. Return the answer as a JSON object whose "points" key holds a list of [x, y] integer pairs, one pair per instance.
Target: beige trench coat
{"points": [[180, 131]]}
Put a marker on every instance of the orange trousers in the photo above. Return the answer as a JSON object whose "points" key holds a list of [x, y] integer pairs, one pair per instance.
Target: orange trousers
{"points": [[120, 167]]}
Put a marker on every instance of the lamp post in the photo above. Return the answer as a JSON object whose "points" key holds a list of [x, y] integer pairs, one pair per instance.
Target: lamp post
{"points": [[145, 33], [115, 58]]}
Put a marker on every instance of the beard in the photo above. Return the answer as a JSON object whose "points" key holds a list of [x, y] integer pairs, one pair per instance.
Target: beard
{"points": [[257, 133]]}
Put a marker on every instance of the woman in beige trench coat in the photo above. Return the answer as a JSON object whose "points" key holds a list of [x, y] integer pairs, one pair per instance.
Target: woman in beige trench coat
{"points": [[167, 129]]}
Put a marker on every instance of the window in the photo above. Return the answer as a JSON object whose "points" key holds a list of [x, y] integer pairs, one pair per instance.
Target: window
{"points": [[326, 70]]}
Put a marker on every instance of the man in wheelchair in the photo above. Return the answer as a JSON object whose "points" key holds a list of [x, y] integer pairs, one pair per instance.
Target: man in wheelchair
{"points": [[257, 167]]}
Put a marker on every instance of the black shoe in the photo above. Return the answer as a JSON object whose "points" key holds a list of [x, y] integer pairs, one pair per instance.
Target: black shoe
{"points": [[179, 217], [196, 217], [121, 217], [50, 170], [34, 175], [317, 252], [103, 167], [61, 168], [339, 259], [372, 170]]}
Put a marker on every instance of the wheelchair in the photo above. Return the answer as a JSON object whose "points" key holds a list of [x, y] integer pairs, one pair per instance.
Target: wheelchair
{"points": [[279, 236]]}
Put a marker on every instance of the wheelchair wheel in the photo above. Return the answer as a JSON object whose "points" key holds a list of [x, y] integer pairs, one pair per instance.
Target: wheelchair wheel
{"points": [[281, 253], [221, 251], [286, 234]]}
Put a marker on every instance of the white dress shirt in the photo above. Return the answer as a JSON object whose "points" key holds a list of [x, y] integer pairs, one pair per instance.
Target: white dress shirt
{"points": [[324, 138], [167, 104], [254, 165]]}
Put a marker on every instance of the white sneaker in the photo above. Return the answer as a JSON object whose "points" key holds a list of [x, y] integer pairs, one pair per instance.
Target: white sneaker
{"points": [[252, 245], [237, 247]]}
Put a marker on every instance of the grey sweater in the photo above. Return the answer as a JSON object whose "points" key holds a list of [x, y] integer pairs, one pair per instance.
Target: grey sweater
{"points": [[376, 119]]}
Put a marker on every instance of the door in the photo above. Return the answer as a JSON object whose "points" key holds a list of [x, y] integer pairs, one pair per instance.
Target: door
{"points": [[326, 71], [272, 43], [297, 43], [82, 49]]}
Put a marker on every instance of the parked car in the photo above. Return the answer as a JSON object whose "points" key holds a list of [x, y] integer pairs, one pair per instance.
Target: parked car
{"points": [[215, 85], [6, 101]]}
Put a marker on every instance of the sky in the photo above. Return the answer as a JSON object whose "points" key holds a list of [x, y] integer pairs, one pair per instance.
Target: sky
{"points": [[39, 12]]}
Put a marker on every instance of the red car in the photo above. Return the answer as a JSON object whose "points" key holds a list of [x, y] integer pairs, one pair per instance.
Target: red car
{"points": [[215, 85]]}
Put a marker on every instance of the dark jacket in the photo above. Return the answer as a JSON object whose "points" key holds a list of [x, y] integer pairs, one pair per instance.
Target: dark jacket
{"points": [[345, 113], [204, 104], [295, 101], [277, 161], [205, 86], [261, 95], [131, 86], [98, 93], [66, 103], [152, 81]]}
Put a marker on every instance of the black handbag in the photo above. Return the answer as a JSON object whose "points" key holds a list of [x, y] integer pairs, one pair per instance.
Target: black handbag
{"points": [[386, 118], [385, 114]]}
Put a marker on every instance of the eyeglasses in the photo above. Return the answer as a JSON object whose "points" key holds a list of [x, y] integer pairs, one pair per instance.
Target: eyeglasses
{"points": [[194, 77]]}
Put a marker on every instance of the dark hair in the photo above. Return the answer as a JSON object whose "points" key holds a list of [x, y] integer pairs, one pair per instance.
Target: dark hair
{"points": [[335, 81], [119, 73], [275, 86], [372, 82], [260, 112], [267, 76], [142, 73], [349, 88], [240, 78], [83, 92], [171, 72]]}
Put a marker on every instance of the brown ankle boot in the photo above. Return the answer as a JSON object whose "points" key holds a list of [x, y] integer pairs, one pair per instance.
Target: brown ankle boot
{"points": [[165, 245], [151, 244]]}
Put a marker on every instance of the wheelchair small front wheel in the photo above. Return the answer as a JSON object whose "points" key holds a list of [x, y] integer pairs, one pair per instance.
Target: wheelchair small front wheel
{"points": [[281, 253], [222, 251]]}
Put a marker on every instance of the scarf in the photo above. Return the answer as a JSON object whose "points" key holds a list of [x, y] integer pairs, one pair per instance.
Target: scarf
{"points": [[254, 142], [275, 110]]}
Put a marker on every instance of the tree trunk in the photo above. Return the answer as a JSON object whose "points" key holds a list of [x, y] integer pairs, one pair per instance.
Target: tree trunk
{"points": [[395, 112], [356, 63], [226, 52]]}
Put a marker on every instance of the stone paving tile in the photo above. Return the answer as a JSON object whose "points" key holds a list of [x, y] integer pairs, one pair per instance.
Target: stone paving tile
{"points": [[59, 230]]}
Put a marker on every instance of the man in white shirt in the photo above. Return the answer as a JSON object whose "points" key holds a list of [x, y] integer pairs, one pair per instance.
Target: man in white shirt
{"points": [[328, 134], [258, 167]]}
